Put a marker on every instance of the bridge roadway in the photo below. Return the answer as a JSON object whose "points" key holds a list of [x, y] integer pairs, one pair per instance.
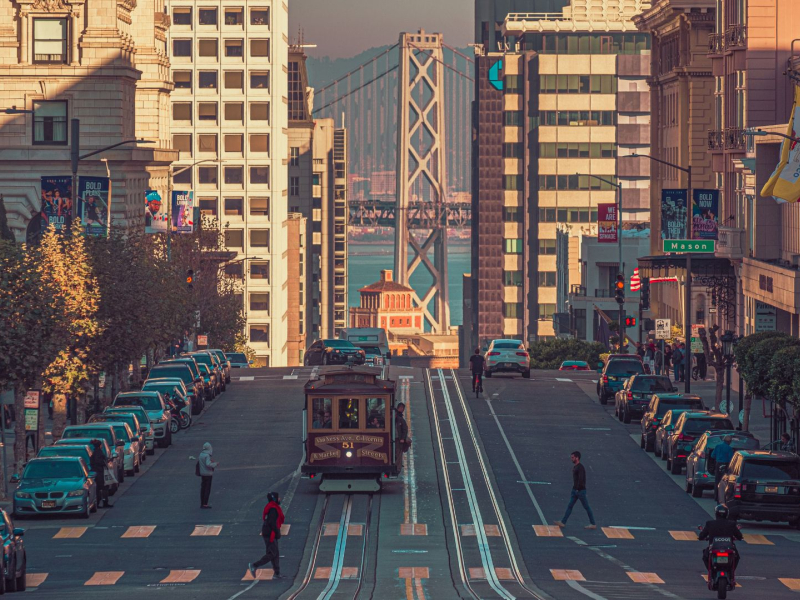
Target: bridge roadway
{"points": [[470, 518], [421, 215]]}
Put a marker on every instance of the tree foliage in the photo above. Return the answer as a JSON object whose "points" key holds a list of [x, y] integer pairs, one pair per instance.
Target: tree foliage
{"points": [[743, 350], [549, 354], [756, 371], [782, 376]]}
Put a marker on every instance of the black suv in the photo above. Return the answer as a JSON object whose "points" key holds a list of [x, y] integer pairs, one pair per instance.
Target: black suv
{"points": [[634, 397], [614, 375], [701, 468], [762, 485], [687, 431], [659, 405], [334, 352]]}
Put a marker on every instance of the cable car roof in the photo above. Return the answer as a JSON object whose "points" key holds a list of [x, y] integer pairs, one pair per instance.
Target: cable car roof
{"points": [[355, 380]]}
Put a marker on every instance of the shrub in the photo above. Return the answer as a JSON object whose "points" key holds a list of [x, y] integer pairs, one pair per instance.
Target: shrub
{"points": [[549, 354]]}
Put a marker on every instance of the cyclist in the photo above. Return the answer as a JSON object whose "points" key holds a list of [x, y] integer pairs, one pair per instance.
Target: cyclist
{"points": [[476, 362]]}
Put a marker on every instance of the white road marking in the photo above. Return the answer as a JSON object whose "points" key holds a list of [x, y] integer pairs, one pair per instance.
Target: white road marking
{"points": [[596, 428], [560, 379], [290, 376], [250, 378], [535, 482], [633, 528], [579, 588]]}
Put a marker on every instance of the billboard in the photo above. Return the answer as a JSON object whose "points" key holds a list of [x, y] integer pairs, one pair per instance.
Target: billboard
{"points": [[155, 213], [607, 223], [94, 194], [182, 212], [57, 202], [705, 214], [673, 214]]}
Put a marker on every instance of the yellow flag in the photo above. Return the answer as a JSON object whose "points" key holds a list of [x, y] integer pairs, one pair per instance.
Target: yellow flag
{"points": [[784, 183]]}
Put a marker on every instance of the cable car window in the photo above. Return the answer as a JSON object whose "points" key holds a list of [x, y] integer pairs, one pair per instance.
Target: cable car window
{"points": [[322, 413], [376, 413], [348, 413]]}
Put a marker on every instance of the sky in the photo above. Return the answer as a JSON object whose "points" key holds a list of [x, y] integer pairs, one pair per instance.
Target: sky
{"points": [[343, 28]]}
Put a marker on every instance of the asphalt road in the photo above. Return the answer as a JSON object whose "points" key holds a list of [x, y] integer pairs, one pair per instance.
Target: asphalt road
{"points": [[409, 542]]}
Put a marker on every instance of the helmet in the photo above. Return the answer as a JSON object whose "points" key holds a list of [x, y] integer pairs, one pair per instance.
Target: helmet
{"points": [[721, 511], [274, 497]]}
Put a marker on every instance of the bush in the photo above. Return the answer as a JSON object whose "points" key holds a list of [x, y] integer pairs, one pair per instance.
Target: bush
{"points": [[756, 371], [549, 354], [743, 350]]}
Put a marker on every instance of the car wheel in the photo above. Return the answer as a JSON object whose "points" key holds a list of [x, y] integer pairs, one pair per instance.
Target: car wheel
{"points": [[626, 416], [174, 426], [665, 457], [21, 583], [687, 487], [674, 467], [697, 492], [526, 374], [603, 399], [151, 451], [94, 504], [649, 446], [11, 582], [121, 476], [86, 510], [169, 438], [130, 472], [137, 466], [2, 585], [616, 408], [642, 443]]}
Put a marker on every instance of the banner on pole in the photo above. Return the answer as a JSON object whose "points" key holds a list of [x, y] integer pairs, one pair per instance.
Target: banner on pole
{"points": [[784, 183], [705, 214], [94, 194], [57, 202], [155, 213], [607, 223], [673, 214], [182, 212]]}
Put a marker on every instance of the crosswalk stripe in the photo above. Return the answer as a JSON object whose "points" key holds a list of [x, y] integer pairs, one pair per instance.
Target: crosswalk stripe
{"points": [[261, 575], [184, 576], [684, 536], [567, 575], [413, 573], [349, 573], [70, 533], [645, 577], [413, 529], [203, 530], [35, 579], [141, 531], [792, 584], [105, 578], [758, 540], [355, 529], [548, 531], [617, 533]]}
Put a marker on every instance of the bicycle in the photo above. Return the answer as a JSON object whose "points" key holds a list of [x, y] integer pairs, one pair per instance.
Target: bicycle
{"points": [[477, 384]]}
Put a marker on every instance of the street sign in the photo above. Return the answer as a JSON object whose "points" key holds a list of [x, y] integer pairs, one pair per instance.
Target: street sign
{"points": [[663, 329], [696, 344], [704, 246], [31, 419], [202, 340], [32, 399]]}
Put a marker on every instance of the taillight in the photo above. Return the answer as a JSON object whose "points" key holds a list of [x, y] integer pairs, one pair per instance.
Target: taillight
{"points": [[722, 554], [525, 354], [685, 438], [630, 395], [494, 354], [737, 490], [605, 379]]}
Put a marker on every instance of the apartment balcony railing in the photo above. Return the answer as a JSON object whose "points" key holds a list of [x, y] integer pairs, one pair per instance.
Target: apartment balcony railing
{"points": [[735, 139], [577, 290], [603, 293], [716, 43], [736, 37], [731, 243], [715, 140]]}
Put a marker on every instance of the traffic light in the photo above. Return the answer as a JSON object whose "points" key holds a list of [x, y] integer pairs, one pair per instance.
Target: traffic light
{"points": [[644, 297], [189, 278], [630, 321], [619, 289]]}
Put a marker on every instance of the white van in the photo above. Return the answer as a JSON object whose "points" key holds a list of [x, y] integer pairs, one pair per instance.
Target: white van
{"points": [[372, 340]]}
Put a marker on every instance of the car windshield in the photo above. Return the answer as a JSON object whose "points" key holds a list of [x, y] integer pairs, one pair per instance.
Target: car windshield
{"points": [[99, 432], [137, 411], [738, 442], [180, 371], [700, 425], [159, 387], [651, 384], [666, 404], [506, 346], [53, 469], [625, 367], [121, 431], [204, 359], [771, 469], [371, 349], [146, 402], [190, 363], [344, 344], [574, 363], [237, 357], [64, 451]]}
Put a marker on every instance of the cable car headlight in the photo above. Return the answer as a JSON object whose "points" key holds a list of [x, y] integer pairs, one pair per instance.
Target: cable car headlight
{"points": [[349, 454]]}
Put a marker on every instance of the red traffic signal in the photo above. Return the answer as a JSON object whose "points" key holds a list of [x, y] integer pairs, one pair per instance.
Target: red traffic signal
{"points": [[630, 321]]}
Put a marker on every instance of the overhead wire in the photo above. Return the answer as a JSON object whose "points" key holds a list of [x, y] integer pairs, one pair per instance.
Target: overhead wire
{"points": [[361, 66]]}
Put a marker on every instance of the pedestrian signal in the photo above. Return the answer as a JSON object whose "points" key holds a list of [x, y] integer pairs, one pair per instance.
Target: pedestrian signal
{"points": [[630, 321]]}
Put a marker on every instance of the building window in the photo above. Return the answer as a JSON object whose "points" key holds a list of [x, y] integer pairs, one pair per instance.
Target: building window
{"points": [[183, 178], [207, 48], [207, 16], [259, 111], [259, 143], [546, 312], [207, 111], [547, 247], [513, 150], [513, 118], [513, 214], [259, 80], [259, 301], [259, 175], [259, 333], [208, 206], [578, 117], [235, 271], [259, 238], [234, 143], [234, 111], [259, 16], [512, 310], [234, 175], [578, 84], [577, 150], [512, 246], [207, 80], [50, 41], [207, 142], [294, 186], [574, 182], [512, 84], [547, 215], [234, 207], [182, 48], [294, 157], [259, 270], [233, 48], [513, 278], [259, 207], [233, 16], [591, 43], [547, 279], [259, 48], [182, 142], [182, 80], [182, 16], [50, 122], [234, 80], [234, 238], [207, 175], [512, 182]]}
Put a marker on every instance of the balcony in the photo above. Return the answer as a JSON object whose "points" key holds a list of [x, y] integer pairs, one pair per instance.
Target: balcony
{"points": [[603, 293], [731, 243], [716, 44], [736, 37], [577, 290], [734, 139], [715, 140]]}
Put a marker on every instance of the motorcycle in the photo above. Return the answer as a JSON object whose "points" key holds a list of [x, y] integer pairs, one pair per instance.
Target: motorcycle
{"points": [[181, 413], [721, 566]]}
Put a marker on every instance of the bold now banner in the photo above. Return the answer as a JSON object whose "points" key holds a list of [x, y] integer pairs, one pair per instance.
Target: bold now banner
{"points": [[607, 223], [705, 214], [57, 202], [94, 194]]}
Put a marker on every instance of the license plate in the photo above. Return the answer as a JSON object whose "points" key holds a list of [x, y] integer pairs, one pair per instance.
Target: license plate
{"points": [[508, 364], [771, 489], [612, 378], [722, 539], [722, 559], [48, 504]]}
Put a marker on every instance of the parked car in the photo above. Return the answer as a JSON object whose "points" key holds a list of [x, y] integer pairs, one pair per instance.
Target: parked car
{"points": [[636, 393], [134, 447], [15, 559], [145, 426], [59, 484], [225, 364], [333, 352], [762, 486], [507, 356], [209, 381], [159, 415], [193, 367], [204, 357], [373, 356], [100, 431], [701, 468], [194, 385], [574, 365], [614, 375], [111, 459], [665, 428], [238, 360], [81, 451], [659, 405], [690, 426]]}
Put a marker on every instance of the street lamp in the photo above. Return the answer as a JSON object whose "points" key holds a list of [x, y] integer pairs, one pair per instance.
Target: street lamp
{"points": [[687, 309], [762, 133], [727, 340]]}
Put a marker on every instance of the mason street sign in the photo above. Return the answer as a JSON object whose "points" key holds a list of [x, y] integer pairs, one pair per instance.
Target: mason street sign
{"points": [[707, 246]]}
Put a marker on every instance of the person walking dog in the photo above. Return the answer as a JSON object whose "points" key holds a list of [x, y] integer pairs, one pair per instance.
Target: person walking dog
{"points": [[205, 469], [578, 492], [272, 519]]}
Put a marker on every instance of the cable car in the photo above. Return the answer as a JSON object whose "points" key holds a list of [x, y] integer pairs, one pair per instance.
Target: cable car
{"points": [[348, 429]]}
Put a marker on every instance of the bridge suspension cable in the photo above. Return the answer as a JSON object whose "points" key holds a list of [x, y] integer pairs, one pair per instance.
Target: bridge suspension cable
{"points": [[444, 64], [353, 91], [361, 66]]}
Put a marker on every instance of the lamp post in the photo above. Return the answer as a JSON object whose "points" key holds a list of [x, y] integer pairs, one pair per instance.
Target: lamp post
{"points": [[762, 133], [727, 339], [617, 185], [687, 308]]}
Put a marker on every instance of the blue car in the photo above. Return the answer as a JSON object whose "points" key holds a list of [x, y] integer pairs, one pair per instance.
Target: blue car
{"points": [[15, 561], [58, 484]]}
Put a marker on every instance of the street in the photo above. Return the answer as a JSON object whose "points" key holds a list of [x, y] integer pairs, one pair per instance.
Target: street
{"points": [[484, 481]]}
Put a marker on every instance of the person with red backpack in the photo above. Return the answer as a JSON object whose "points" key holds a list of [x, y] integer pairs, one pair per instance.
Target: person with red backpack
{"points": [[272, 519]]}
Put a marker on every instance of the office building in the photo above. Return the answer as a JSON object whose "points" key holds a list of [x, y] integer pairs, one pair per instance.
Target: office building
{"points": [[490, 14]]}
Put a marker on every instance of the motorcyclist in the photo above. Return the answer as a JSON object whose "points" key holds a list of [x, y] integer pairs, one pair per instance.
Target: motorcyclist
{"points": [[476, 362], [721, 526]]}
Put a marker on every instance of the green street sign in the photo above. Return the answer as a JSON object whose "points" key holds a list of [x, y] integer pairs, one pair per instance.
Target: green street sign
{"points": [[707, 246]]}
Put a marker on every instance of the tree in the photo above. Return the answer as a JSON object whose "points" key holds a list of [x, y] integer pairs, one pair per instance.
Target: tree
{"points": [[549, 354], [714, 358], [743, 354], [782, 369]]}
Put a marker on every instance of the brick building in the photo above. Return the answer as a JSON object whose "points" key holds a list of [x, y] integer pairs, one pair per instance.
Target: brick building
{"points": [[388, 305]]}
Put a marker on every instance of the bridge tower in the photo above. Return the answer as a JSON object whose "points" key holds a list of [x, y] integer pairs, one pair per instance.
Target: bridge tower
{"points": [[421, 175]]}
